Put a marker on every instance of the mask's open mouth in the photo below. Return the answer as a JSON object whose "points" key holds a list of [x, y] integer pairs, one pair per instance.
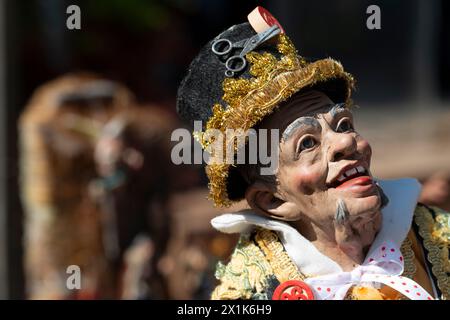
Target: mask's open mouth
{"points": [[354, 176]]}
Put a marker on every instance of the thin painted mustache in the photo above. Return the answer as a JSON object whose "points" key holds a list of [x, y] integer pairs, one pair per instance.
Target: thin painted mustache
{"points": [[342, 213]]}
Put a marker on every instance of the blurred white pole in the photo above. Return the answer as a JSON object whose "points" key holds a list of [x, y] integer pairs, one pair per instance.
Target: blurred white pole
{"points": [[3, 188]]}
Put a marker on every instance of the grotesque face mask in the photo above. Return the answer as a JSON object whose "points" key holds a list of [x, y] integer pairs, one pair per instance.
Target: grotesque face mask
{"points": [[323, 174]]}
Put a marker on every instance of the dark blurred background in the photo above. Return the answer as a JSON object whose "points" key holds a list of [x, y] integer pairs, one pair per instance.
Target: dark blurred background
{"points": [[402, 72]]}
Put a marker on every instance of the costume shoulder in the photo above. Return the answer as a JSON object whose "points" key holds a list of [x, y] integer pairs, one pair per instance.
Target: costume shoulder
{"points": [[432, 225], [248, 275], [257, 266]]}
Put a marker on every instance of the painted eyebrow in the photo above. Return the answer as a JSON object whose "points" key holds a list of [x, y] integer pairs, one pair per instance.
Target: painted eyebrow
{"points": [[311, 121], [297, 123], [337, 108]]}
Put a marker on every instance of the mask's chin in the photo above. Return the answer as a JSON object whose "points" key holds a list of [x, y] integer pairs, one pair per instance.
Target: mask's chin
{"points": [[366, 208]]}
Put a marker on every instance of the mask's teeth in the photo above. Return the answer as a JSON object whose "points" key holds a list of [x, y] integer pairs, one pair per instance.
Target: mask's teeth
{"points": [[360, 169], [351, 172]]}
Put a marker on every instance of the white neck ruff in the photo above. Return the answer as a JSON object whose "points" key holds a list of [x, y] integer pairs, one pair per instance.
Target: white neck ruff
{"points": [[397, 219]]}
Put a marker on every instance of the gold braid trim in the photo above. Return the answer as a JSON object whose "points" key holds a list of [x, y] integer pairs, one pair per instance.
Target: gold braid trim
{"points": [[408, 260], [262, 100], [218, 177], [284, 269], [436, 246], [408, 257], [250, 100]]}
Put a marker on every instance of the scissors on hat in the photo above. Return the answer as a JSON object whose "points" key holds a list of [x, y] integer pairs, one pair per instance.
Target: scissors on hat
{"points": [[237, 63]]}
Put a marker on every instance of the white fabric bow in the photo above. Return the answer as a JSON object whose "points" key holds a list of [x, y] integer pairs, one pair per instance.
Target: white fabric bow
{"points": [[384, 265]]}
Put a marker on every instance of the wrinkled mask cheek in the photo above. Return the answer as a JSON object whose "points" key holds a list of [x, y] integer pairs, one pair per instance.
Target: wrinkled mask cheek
{"points": [[364, 147], [304, 185], [303, 180]]}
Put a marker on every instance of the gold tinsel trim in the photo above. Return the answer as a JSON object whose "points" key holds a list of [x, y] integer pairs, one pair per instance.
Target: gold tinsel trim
{"points": [[218, 175], [283, 268], [436, 247]]}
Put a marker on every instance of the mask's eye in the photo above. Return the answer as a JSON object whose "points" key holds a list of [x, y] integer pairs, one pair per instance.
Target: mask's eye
{"points": [[307, 143], [345, 125]]}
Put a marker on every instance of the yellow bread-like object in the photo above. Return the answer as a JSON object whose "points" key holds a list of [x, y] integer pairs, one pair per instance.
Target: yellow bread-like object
{"points": [[366, 293]]}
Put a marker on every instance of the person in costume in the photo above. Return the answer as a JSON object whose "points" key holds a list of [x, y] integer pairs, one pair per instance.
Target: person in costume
{"points": [[321, 226], [62, 223], [94, 194]]}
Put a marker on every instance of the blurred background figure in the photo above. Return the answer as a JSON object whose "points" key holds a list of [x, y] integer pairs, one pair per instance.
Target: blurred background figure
{"points": [[136, 178], [96, 176], [62, 223], [436, 190], [195, 247]]}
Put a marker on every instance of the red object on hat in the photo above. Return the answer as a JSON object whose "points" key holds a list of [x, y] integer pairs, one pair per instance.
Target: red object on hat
{"points": [[293, 290], [261, 19]]}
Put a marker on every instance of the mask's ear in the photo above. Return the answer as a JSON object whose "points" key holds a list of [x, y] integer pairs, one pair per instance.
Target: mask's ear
{"points": [[261, 198]]}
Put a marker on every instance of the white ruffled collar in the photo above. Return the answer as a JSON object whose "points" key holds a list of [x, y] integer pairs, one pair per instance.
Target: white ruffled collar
{"points": [[397, 218]]}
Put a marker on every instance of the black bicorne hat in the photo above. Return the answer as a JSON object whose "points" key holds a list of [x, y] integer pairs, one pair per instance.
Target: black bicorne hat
{"points": [[222, 100]]}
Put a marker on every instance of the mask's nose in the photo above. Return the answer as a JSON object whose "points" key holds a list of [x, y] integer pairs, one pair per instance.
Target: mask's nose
{"points": [[342, 146]]}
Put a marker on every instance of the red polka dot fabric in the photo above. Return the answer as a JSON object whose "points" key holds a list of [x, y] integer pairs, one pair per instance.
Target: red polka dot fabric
{"points": [[383, 266]]}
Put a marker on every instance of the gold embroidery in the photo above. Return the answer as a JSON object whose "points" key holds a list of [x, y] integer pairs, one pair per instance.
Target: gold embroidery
{"points": [[442, 227], [245, 275], [436, 246], [284, 269]]}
